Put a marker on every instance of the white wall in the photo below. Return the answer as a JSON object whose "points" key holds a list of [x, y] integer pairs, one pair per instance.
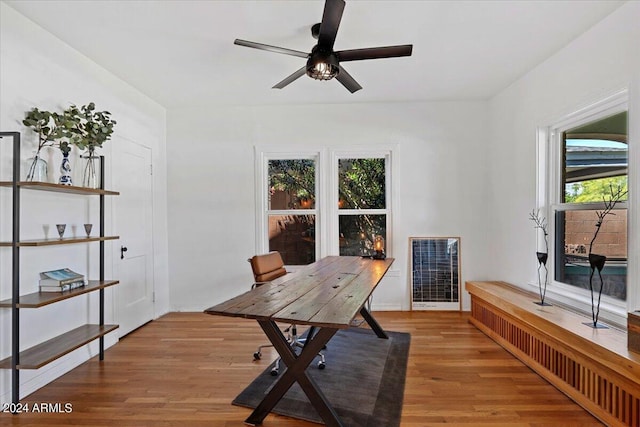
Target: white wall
{"points": [[36, 69], [466, 169], [597, 64], [442, 191]]}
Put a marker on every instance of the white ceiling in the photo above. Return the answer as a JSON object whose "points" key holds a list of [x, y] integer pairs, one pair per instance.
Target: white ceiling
{"points": [[181, 53]]}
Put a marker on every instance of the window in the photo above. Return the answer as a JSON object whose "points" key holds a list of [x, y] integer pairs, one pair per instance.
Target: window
{"points": [[583, 165], [594, 171], [361, 204], [313, 204], [291, 214]]}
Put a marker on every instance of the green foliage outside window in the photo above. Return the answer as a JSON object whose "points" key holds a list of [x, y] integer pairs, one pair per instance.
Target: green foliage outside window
{"points": [[361, 183], [595, 190], [296, 177]]}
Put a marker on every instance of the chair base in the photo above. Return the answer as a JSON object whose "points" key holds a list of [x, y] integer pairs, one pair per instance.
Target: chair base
{"points": [[298, 344], [294, 342]]}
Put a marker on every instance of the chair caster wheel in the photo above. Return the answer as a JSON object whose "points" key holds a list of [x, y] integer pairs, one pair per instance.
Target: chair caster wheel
{"points": [[321, 365], [257, 355], [274, 372]]}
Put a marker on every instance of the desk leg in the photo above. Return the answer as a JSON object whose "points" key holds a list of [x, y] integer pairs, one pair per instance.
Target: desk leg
{"points": [[373, 323], [295, 372]]}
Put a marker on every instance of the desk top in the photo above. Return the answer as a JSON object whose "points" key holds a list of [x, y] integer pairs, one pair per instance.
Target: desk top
{"points": [[327, 293]]}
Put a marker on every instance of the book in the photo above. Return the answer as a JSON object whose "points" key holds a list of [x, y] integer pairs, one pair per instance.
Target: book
{"points": [[60, 277], [62, 288]]}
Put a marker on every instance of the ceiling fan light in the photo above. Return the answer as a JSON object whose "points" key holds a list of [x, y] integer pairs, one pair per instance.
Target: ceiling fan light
{"points": [[322, 71], [322, 67]]}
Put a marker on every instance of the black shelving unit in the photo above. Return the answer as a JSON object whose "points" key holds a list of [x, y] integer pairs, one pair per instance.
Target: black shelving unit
{"points": [[50, 350]]}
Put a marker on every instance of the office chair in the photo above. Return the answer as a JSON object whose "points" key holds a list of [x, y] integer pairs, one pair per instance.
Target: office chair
{"points": [[266, 268]]}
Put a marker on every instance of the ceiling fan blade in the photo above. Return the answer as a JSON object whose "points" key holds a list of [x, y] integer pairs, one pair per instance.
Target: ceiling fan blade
{"points": [[375, 52], [270, 48], [301, 72], [330, 22], [347, 81]]}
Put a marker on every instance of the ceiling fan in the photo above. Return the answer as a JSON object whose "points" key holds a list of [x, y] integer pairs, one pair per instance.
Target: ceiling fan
{"points": [[323, 63]]}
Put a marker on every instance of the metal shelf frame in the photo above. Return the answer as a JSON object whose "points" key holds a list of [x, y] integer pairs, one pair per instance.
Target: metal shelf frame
{"points": [[15, 302]]}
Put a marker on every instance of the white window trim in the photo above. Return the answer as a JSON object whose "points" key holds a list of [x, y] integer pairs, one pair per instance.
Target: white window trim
{"points": [[327, 242], [548, 190]]}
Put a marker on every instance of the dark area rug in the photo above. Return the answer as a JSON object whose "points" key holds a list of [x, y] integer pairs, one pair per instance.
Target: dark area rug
{"points": [[363, 380]]}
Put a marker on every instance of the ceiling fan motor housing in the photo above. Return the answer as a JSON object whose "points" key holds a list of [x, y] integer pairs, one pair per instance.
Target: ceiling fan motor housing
{"points": [[315, 30], [322, 65]]}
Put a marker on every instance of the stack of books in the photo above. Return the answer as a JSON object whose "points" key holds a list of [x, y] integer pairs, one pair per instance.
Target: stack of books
{"points": [[60, 280]]}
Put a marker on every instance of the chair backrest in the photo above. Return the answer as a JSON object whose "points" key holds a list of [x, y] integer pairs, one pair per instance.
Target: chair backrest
{"points": [[267, 267]]}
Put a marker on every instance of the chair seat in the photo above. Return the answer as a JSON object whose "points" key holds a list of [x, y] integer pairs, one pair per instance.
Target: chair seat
{"points": [[267, 277], [267, 267]]}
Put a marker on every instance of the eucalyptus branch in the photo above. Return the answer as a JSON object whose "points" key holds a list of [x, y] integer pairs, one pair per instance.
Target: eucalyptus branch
{"points": [[45, 124], [87, 128]]}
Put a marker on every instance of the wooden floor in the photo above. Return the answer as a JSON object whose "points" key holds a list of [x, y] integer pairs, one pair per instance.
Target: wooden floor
{"points": [[185, 368]]}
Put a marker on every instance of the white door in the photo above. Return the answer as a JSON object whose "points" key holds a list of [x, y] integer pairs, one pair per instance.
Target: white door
{"points": [[133, 223]]}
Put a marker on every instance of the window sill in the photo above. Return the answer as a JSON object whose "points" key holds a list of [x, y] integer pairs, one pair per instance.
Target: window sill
{"points": [[613, 315]]}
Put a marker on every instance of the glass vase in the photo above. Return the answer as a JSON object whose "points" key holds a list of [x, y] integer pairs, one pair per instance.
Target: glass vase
{"points": [[65, 171], [37, 168], [90, 175]]}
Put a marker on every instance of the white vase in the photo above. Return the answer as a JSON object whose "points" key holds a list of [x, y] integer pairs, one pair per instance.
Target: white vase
{"points": [[90, 174]]}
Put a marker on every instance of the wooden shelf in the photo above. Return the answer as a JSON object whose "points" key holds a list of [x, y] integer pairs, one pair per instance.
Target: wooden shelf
{"points": [[48, 351], [58, 188], [40, 299], [58, 241]]}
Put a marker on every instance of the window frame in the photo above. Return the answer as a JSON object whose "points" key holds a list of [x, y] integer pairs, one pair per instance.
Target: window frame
{"points": [[334, 197], [263, 210], [548, 189], [326, 211]]}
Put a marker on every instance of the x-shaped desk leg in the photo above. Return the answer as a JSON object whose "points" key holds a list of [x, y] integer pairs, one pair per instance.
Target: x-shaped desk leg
{"points": [[296, 372], [375, 326]]}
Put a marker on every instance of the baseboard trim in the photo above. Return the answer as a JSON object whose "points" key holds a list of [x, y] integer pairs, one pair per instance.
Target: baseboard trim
{"points": [[386, 307]]}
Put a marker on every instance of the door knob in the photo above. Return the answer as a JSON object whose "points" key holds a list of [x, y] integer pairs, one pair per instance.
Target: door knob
{"points": [[123, 249]]}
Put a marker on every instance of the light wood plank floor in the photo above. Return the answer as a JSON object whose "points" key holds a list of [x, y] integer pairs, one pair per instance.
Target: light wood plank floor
{"points": [[185, 368]]}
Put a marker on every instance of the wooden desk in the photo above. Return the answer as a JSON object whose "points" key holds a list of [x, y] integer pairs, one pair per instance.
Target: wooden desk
{"points": [[326, 296]]}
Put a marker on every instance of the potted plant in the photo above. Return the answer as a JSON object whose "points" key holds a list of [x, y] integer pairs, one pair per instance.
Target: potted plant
{"points": [[88, 129], [45, 124]]}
